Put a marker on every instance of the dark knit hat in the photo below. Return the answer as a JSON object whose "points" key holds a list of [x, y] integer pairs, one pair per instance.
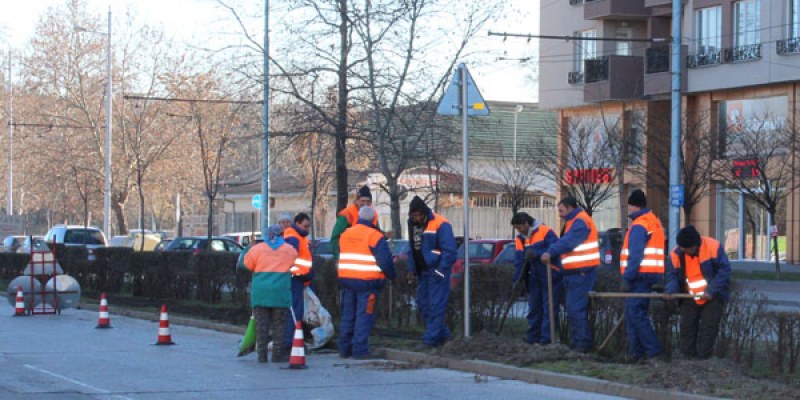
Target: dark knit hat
{"points": [[637, 198], [364, 192], [688, 236], [417, 204]]}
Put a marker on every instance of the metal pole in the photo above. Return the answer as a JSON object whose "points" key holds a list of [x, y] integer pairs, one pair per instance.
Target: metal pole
{"points": [[515, 135], [465, 156], [10, 193], [550, 306], [675, 134], [107, 197], [265, 131]]}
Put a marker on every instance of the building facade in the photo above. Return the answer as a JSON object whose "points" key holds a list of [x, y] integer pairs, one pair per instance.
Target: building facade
{"points": [[741, 65]]}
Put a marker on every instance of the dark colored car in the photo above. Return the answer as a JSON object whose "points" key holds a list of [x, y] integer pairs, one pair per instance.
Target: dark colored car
{"points": [[481, 251], [610, 244], [199, 244], [399, 249]]}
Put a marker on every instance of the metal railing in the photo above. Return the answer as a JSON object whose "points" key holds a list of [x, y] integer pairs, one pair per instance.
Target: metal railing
{"points": [[747, 52], [575, 77], [596, 69], [788, 46], [657, 59], [708, 57]]}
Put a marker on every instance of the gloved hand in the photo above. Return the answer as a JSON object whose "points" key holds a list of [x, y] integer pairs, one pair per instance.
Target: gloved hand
{"points": [[624, 286]]}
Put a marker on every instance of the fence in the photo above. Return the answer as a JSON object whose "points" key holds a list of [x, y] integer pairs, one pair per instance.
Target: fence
{"points": [[495, 222]]}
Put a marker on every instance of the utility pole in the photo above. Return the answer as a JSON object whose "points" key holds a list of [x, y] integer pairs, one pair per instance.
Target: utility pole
{"points": [[265, 203], [675, 124], [10, 192]]}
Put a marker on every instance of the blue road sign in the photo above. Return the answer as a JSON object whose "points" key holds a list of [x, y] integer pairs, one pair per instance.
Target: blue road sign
{"points": [[676, 195], [256, 201], [450, 103]]}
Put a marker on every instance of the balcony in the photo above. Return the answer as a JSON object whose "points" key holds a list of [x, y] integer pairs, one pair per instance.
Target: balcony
{"points": [[787, 47], [613, 78], [708, 57], [750, 52], [575, 77], [657, 75], [576, 2], [615, 9]]}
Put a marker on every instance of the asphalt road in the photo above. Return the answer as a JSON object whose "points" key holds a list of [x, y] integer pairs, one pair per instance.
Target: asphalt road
{"points": [[64, 357]]}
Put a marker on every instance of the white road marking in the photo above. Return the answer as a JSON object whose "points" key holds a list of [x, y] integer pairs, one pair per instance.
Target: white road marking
{"points": [[74, 382]]}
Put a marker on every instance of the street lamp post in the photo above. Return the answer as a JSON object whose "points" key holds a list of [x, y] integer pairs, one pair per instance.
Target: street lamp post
{"points": [[516, 113], [107, 167]]}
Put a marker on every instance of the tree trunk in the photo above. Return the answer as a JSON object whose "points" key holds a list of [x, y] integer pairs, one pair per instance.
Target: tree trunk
{"points": [[140, 191], [211, 218], [394, 205], [341, 121], [119, 212]]}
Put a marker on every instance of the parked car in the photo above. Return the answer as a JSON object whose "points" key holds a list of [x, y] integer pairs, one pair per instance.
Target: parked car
{"points": [[90, 237], [198, 244], [38, 244], [323, 249], [399, 249], [243, 238], [610, 244], [11, 244], [162, 245], [481, 251], [134, 241], [507, 255]]}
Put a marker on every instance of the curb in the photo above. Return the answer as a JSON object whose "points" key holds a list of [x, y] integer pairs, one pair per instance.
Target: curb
{"points": [[564, 381], [528, 375]]}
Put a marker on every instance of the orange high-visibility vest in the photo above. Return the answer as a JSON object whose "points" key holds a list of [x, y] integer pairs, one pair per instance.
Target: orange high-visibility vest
{"points": [[586, 254], [695, 281], [537, 237], [302, 264], [351, 213], [653, 259], [356, 260], [432, 227]]}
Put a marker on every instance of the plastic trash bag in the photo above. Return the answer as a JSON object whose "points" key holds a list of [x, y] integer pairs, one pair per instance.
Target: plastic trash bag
{"points": [[318, 319]]}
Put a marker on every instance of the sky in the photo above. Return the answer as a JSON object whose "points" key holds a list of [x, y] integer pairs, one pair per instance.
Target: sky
{"points": [[185, 20]]}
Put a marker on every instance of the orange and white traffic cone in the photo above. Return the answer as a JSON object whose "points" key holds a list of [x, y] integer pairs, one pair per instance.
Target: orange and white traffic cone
{"points": [[297, 359], [103, 321], [19, 307], [163, 328]]}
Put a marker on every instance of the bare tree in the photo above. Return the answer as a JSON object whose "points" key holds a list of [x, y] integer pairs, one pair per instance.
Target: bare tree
{"points": [[757, 163], [584, 163], [517, 177]]}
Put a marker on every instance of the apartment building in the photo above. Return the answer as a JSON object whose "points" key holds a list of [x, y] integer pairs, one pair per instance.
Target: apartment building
{"points": [[741, 62]]}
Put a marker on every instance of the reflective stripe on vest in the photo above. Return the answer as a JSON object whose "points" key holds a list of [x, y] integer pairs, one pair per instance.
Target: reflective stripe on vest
{"points": [[302, 264], [653, 257], [351, 214], [587, 254], [356, 260], [696, 283]]}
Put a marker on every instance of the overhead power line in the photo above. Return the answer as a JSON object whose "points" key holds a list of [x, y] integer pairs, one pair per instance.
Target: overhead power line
{"points": [[577, 38]]}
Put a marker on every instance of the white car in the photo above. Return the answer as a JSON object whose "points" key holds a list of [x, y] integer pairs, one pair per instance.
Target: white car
{"points": [[90, 237]]}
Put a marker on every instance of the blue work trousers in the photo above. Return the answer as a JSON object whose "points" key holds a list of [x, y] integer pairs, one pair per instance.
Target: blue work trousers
{"points": [[432, 294], [642, 339], [298, 306], [358, 317], [538, 310], [577, 286]]}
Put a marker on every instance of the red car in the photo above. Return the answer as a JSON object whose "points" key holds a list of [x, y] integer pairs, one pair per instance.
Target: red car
{"points": [[481, 251]]}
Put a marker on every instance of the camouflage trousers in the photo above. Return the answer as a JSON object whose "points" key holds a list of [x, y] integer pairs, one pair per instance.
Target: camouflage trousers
{"points": [[270, 324]]}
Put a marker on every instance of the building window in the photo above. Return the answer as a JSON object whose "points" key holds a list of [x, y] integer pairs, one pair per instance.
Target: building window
{"points": [[584, 50], [709, 30], [794, 18], [747, 22]]}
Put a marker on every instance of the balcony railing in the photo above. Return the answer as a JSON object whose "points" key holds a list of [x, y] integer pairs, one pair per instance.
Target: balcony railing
{"points": [[575, 78], [596, 69], [576, 2], [788, 46], [748, 52], [657, 59], [708, 57]]}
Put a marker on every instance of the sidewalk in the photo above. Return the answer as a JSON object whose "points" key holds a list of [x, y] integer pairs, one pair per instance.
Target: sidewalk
{"points": [[781, 295]]}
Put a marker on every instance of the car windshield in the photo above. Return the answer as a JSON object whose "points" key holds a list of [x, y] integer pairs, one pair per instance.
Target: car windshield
{"points": [[478, 250], [83, 236], [182, 244]]}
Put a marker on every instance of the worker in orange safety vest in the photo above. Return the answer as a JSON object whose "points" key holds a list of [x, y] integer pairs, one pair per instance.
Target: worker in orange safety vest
{"points": [[296, 235]]}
